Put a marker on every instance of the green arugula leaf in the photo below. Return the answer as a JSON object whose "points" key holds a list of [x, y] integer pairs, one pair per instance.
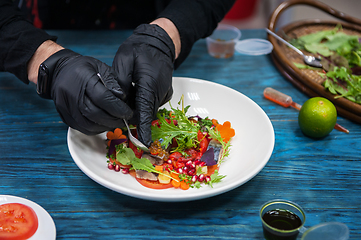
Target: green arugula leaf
{"points": [[143, 164], [185, 133], [215, 178]]}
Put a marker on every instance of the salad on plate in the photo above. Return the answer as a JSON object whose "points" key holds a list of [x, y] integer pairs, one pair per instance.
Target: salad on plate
{"points": [[186, 152]]}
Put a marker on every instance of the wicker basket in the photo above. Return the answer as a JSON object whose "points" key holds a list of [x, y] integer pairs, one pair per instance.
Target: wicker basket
{"points": [[307, 80]]}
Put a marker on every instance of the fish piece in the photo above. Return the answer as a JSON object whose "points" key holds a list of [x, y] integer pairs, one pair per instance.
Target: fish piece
{"points": [[153, 159], [142, 174], [217, 148]]}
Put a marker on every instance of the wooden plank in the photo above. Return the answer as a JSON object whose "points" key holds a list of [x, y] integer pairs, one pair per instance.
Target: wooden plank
{"points": [[323, 176]]}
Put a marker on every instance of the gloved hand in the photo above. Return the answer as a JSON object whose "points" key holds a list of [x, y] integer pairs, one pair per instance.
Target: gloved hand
{"points": [[145, 60], [80, 97]]}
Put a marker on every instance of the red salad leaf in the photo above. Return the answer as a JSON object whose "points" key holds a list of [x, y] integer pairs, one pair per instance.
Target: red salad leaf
{"points": [[113, 143], [208, 157]]}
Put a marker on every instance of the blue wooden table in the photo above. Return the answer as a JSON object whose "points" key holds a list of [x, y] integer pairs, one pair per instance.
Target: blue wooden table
{"points": [[323, 176]]}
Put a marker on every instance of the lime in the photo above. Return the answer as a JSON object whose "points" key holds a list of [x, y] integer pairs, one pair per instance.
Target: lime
{"points": [[317, 117]]}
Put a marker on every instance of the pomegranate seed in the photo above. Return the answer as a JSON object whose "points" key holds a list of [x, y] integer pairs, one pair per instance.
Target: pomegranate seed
{"points": [[110, 166], [125, 170], [180, 170], [201, 178], [117, 168], [208, 178], [202, 164], [185, 169], [169, 161], [189, 163], [194, 178], [193, 166], [191, 172], [197, 162]]}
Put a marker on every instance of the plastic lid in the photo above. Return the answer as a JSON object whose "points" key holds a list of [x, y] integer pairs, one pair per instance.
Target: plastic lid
{"points": [[329, 231], [254, 46]]}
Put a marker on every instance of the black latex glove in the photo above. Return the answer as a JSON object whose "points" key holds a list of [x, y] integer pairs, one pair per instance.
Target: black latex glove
{"points": [[80, 97], [146, 59]]}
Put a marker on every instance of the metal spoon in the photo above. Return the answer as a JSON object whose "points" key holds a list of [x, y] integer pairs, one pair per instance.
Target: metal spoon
{"points": [[309, 60], [133, 139]]}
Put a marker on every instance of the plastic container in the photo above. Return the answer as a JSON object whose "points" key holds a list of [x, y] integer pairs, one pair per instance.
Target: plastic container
{"points": [[223, 40], [273, 231], [280, 224]]}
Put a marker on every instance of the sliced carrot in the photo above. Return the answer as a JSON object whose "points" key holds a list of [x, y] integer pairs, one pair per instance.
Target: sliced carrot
{"points": [[226, 131], [159, 168], [110, 135], [174, 175], [119, 133], [227, 124], [214, 122], [175, 183], [184, 185]]}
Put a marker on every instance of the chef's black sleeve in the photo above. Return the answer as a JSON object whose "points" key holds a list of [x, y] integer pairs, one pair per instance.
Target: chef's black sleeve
{"points": [[195, 19], [19, 40]]}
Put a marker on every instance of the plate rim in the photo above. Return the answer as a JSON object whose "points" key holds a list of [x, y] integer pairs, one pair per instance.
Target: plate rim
{"points": [[184, 197]]}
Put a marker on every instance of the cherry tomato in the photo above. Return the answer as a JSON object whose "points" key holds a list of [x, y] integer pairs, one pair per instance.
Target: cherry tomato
{"points": [[168, 167], [175, 122], [17, 221], [203, 142], [199, 156], [192, 154], [138, 153], [155, 123], [175, 156], [179, 164]]}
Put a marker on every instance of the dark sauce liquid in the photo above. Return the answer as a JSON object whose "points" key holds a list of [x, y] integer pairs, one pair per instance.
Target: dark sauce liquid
{"points": [[282, 220]]}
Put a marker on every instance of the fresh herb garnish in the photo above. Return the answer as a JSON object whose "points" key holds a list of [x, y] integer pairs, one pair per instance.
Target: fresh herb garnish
{"points": [[215, 178], [185, 133], [341, 54]]}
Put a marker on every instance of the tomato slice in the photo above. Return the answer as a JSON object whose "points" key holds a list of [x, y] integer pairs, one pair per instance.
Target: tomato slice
{"points": [[17, 221], [203, 142], [150, 184], [153, 184]]}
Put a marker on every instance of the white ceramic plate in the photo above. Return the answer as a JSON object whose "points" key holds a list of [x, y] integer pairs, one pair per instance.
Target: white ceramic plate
{"points": [[251, 147], [46, 228]]}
